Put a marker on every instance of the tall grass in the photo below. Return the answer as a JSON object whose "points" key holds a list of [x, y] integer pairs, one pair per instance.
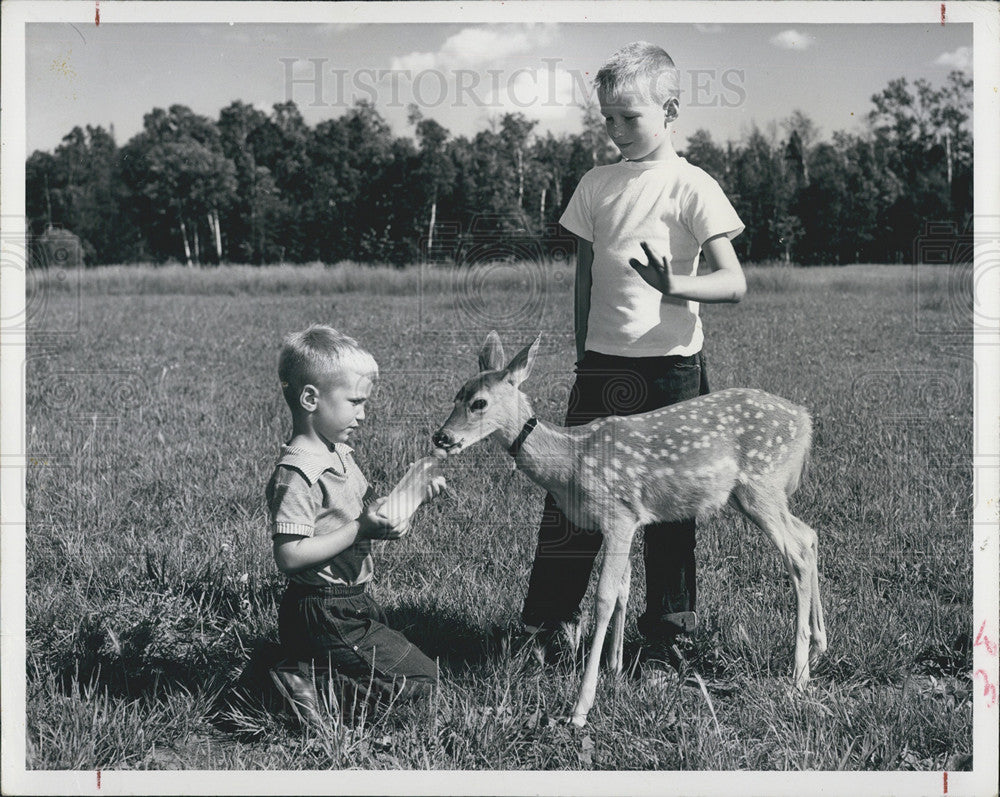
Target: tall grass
{"points": [[350, 277], [151, 589], [232, 280]]}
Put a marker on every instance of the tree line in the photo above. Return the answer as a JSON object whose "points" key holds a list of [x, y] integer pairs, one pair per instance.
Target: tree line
{"points": [[256, 187]]}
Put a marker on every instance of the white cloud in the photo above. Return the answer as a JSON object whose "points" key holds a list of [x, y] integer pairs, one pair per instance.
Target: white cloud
{"points": [[957, 59], [792, 40], [542, 94], [415, 62], [472, 47], [702, 27]]}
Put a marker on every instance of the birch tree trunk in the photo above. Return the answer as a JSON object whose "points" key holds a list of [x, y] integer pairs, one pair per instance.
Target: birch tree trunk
{"points": [[947, 150], [184, 237], [430, 225], [213, 225]]}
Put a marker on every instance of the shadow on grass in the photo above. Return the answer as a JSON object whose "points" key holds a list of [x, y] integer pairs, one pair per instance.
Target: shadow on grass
{"points": [[157, 652], [449, 637], [247, 707], [174, 641]]}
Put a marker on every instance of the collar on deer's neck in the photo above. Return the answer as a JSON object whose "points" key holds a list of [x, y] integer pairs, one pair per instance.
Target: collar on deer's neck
{"points": [[515, 447]]}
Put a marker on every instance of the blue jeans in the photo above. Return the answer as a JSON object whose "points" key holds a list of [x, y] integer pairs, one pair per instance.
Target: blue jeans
{"points": [[609, 385]]}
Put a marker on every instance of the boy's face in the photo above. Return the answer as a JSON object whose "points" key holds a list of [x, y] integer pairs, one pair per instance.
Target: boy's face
{"points": [[340, 406], [639, 126]]}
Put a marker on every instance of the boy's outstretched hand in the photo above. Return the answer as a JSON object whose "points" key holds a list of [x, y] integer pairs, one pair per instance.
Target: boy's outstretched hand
{"points": [[657, 272], [437, 486], [376, 522], [374, 525]]}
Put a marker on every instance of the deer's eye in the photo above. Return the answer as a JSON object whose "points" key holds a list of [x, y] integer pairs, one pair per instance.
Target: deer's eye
{"points": [[478, 404]]}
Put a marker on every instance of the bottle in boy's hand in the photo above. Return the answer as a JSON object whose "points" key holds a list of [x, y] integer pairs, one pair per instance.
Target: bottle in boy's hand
{"points": [[413, 489]]}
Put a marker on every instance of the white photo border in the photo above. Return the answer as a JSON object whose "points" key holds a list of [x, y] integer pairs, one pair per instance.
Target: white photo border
{"points": [[16, 779]]}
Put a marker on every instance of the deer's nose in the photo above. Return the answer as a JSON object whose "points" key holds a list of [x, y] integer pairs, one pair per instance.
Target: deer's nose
{"points": [[441, 439]]}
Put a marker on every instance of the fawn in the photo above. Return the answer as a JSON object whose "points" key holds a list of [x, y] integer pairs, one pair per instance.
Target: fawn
{"points": [[619, 474]]}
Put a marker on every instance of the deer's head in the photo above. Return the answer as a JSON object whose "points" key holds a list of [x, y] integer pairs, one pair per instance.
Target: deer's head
{"points": [[491, 401]]}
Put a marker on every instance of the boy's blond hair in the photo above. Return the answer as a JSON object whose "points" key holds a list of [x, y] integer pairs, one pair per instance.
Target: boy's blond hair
{"points": [[641, 69], [316, 355]]}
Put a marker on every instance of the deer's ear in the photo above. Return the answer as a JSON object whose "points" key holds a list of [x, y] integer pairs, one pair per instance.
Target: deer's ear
{"points": [[491, 356], [519, 368]]}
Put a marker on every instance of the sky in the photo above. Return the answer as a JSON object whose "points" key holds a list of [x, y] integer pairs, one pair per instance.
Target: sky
{"points": [[464, 75]]}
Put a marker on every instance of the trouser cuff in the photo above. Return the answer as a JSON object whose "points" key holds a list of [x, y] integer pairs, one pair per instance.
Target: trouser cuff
{"points": [[548, 621]]}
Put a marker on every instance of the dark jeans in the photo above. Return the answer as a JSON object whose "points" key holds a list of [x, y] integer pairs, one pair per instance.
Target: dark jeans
{"points": [[608, 385], [345, 628]]}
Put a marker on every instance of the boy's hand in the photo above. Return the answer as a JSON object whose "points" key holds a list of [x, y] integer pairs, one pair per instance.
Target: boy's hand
{"points": [[657, 272], [374, 525], [437, 486]]}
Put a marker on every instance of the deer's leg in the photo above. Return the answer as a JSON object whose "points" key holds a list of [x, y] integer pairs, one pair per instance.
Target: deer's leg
{"points": [[817, 628], [617, 652], [768, 508], [617, 545]]}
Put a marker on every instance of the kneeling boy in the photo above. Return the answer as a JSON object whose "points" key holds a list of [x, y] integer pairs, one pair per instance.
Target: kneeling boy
{"points": [[322, 522]]}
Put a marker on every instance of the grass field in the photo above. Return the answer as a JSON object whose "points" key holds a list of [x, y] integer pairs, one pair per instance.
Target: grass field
{"points": [[155, 421]]}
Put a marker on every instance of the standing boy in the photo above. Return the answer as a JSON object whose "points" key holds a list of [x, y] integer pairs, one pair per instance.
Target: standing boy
{"points": [[322, 523], [640, 225]]}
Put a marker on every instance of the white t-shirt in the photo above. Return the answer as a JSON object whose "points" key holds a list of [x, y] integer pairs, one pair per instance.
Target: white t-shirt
{"points": [[674, 207]]}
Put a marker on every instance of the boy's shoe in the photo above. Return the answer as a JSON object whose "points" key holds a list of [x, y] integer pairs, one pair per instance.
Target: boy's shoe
{"points": [[661, 659], [661, 651], [552, 645], [682, 622], [661, 664], [294, 681]]}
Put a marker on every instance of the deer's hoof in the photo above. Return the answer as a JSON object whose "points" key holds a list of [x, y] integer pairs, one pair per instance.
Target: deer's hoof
{"points": [[579, 720], [796, 690]]}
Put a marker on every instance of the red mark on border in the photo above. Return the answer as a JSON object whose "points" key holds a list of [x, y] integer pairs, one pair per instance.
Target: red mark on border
{"points": [[985, 641], [989, 689], [945, 782], [942, 13], [97, 21], [98, 779]]}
